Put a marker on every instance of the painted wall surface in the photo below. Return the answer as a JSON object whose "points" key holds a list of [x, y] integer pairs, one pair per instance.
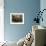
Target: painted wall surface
{"points": [[43, 6], [29, 8], [1, 20]]}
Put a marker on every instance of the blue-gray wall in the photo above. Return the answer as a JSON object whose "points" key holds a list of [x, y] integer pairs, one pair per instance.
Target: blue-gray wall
{"points": [[43, 6], [29, 8]]}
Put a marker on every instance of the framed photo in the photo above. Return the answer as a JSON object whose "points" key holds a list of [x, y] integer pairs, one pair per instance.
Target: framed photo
{"points": [[16, 18]]}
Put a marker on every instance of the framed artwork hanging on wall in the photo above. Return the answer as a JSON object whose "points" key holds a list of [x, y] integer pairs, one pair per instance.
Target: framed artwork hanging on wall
{"points": [[16, 18]]}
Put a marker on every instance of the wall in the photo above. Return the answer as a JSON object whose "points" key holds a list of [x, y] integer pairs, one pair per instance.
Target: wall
{"points": [[1, 20], [29, 8], [43, 6]]}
